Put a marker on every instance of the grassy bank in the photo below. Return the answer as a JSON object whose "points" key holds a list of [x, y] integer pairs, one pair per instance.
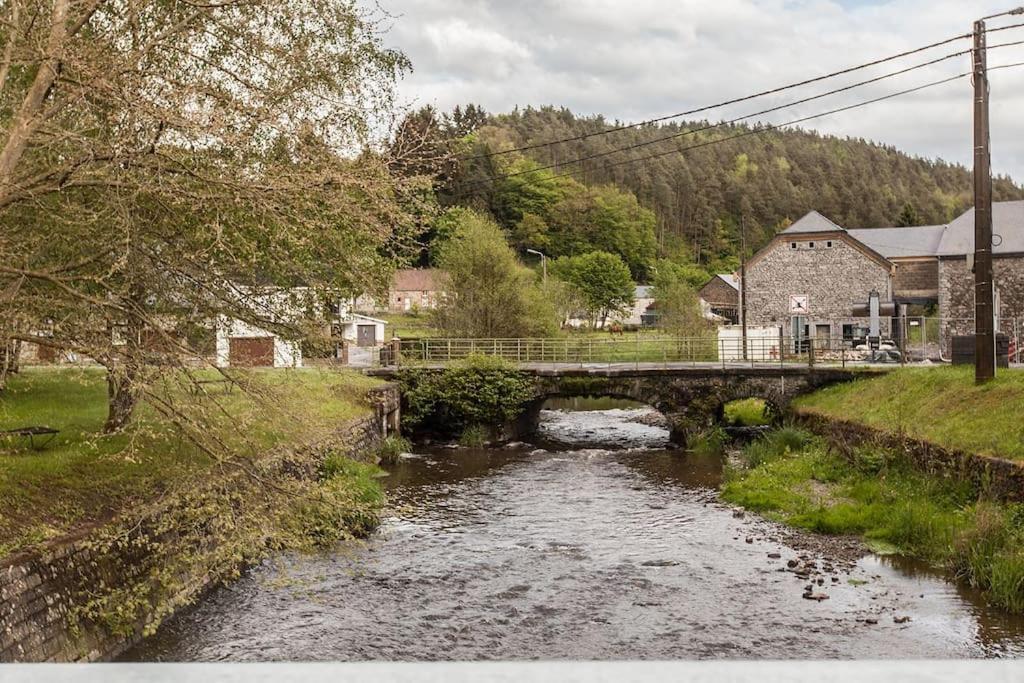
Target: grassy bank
{"points": [[791, 476], [84, 476], [940, 405]]}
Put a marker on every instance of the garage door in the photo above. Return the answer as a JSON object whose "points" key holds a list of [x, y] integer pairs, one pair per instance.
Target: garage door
{"points": [[366, 335], [251, 352]]}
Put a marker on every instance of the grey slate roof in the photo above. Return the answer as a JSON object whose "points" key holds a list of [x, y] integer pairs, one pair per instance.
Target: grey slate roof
{"points": [[1007, 223], [813, 222], [901, 242], [643, 292], [730, 280]]}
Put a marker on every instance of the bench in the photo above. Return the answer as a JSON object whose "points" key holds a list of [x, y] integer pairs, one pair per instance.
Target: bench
{"points": [[32, 433]]}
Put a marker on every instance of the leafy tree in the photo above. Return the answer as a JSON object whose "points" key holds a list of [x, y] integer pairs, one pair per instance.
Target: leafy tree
{"points": [[690, 274], [604, 219], [155, 175], [489, 293], [677, 303], [602, 280]]}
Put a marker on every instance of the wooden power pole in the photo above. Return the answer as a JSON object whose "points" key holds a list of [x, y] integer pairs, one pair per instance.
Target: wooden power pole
{"points": [[743, 283], [984, 333]]}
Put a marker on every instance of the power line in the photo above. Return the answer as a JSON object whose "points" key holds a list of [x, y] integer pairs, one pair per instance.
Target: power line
{"points": [[770, 127], [694, 131], [816, 79], [647, 122], [722, 124]]}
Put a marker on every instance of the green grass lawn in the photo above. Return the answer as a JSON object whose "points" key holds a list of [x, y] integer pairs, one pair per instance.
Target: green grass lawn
{"points": [[85, 476], [940, 405], [409, 326], [792, 477]]}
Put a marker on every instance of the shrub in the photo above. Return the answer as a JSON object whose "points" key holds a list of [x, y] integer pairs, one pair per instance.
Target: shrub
{"points": [[481, 390]]}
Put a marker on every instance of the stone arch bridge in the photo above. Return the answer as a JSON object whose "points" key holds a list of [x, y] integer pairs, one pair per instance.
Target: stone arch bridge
{"points": [[692, 398]]}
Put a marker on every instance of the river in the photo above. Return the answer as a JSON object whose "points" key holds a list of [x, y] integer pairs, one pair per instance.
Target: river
{"points": [[603, 544]]}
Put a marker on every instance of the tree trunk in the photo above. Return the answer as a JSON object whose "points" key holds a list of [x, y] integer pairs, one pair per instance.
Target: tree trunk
{"points": [[122, 395]]}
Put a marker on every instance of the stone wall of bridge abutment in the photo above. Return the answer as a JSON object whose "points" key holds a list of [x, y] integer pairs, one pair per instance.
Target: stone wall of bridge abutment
{"points": [[692, 398]]}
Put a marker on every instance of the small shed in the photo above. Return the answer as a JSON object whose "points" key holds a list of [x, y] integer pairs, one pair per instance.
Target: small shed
{"points": [[362, 330]]}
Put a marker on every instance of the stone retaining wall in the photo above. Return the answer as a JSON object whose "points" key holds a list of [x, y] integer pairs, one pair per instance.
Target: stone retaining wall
{"points": [[42, 592], [996, 477]]}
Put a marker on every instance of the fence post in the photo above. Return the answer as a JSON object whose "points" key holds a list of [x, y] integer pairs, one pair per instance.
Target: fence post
{"points": [[396, 351]]}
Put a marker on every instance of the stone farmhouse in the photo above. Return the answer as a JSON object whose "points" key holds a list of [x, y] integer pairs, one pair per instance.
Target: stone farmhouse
{"points": [[810, 276], [412, 290]]}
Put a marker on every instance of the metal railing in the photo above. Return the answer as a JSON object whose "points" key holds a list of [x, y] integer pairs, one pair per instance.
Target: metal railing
{"points": [[642, 351]]}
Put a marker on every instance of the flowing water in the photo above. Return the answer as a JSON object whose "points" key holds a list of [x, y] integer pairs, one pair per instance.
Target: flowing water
{"points": [[602, 545]]}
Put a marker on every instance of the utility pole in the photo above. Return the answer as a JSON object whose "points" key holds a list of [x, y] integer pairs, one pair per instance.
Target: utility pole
{"points": [[743, 283], [984, 333]]}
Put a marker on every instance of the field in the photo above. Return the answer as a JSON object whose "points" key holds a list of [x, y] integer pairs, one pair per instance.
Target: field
{"points": [[85, 476]]}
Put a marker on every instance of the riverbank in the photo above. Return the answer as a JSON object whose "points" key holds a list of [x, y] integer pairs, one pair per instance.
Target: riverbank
{"points": [[792, 476], [942, 406], [107, 536], [84, 477]]}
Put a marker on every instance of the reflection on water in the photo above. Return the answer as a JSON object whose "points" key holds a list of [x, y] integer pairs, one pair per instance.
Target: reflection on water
{"points": [[574, 552]]}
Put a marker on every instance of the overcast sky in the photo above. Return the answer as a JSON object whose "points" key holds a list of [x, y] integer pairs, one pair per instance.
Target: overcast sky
{"points": [[638, 59]]}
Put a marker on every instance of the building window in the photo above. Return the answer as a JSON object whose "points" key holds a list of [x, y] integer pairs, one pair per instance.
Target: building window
{"points": [[792, 245], [828, 245], [811, 245]]}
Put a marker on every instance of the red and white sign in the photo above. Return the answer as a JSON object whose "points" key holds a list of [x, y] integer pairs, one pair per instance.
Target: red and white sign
{"points": [[798, 304]]}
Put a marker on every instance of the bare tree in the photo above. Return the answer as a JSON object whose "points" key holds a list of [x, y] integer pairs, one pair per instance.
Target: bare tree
{"points": [[156, 155]]}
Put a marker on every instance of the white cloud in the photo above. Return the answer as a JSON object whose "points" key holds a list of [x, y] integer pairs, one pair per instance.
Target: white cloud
{"points": [[637, 59]]}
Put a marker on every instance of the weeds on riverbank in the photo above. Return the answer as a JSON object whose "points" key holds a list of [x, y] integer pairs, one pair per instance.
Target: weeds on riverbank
{"points": [[747, 412], [391, 448], [345, 504], [791, 476], [474, 436]]}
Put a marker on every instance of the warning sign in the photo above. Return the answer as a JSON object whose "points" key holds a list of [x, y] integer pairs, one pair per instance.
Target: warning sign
{"points": [[798, 304]]}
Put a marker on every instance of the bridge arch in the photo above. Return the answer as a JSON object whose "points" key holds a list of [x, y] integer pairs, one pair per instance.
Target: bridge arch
{"points": [[691, 399]]}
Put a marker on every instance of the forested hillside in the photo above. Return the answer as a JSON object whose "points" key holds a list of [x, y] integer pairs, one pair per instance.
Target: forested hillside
{"points": [[690, 201]]}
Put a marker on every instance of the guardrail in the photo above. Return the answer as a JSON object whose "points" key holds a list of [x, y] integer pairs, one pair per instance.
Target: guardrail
{"points": [[648, 351]]}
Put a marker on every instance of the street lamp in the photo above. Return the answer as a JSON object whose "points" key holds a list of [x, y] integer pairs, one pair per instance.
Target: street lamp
{"points": [[543, 262]]}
